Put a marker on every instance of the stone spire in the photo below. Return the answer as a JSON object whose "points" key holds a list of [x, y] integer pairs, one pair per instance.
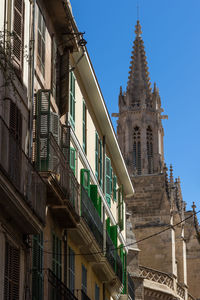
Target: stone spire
{"points": [[139, 81]]}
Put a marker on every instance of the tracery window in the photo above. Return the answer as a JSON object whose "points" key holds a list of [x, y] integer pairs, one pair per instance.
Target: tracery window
{"points": [[150, 149], [136, 150]]}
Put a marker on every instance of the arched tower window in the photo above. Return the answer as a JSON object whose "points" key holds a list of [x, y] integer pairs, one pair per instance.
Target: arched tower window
{"points": [[137, 150], [150, 149]]}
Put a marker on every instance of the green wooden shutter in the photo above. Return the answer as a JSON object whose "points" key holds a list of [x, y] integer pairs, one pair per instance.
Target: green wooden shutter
{"points": [[100, 164], [111, 180], [85, 180], [108, 225], [57, 256], [73, 160], [94, 194], [108, 185], [99, 206], [120, 208], [37, 273], [42, 129], [113, 234], [84, 126], [114, 188], [72, 99]]}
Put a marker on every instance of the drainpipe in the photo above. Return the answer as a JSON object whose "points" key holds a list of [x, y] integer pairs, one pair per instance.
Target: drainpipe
{"points": [[31, 75]]}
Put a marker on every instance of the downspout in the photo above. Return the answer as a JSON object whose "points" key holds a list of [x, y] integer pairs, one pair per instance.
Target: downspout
{"points": [[31, 76]]}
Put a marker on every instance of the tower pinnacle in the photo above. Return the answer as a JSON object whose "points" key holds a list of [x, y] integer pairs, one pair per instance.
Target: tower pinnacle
{"points": [[139, 81]]}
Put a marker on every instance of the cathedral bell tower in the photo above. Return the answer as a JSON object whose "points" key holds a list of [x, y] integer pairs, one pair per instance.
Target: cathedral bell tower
{"points": [[139, 129]]}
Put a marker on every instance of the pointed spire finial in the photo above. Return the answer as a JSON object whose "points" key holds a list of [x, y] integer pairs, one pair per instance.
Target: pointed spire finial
{"points": [[120, 92], [138, 29], [193, 206]]}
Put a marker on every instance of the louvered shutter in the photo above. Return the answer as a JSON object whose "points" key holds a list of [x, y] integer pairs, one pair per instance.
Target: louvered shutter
{"points": [[64, 83], [53, 151], [43, 125], [15, 126], [12, 272], [18, 30]]}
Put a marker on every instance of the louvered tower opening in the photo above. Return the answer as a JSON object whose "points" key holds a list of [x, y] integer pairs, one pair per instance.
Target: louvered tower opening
{"points": [[136, 151], [150, 150]]}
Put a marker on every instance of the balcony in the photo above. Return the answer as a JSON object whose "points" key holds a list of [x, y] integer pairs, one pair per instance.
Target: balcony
{"points": [[57, 289], [91, 217], [62, 186], [23, 192], [113, 257], [162, 283]]}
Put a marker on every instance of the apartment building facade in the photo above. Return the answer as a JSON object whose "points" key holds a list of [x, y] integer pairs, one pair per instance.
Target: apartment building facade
{"points": [[63, 178]]}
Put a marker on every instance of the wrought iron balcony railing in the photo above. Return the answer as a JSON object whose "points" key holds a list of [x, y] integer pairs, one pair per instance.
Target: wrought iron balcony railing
{"points": [[57, 290], [131, 288], [56, 162], [91, 217], [113, 257], [18, 169]]}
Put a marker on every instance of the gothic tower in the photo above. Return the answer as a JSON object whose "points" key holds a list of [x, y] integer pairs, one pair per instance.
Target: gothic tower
{"points": [[140, 130], [157, 202]]}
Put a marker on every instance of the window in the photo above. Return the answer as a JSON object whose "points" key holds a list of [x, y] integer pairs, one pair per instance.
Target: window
{"points": [[72, 99], [73, 160], [41, 42], [84, 281], [108, 181], [18, 30], [37, 274], [150, 150], [96, 292], [57, 256], [71, 270], [84, 126], [98, 159], [136, 151], [12, 272]]}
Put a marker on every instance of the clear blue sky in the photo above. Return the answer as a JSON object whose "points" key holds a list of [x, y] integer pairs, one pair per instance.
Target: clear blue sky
{"points": [[171, 34]]}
